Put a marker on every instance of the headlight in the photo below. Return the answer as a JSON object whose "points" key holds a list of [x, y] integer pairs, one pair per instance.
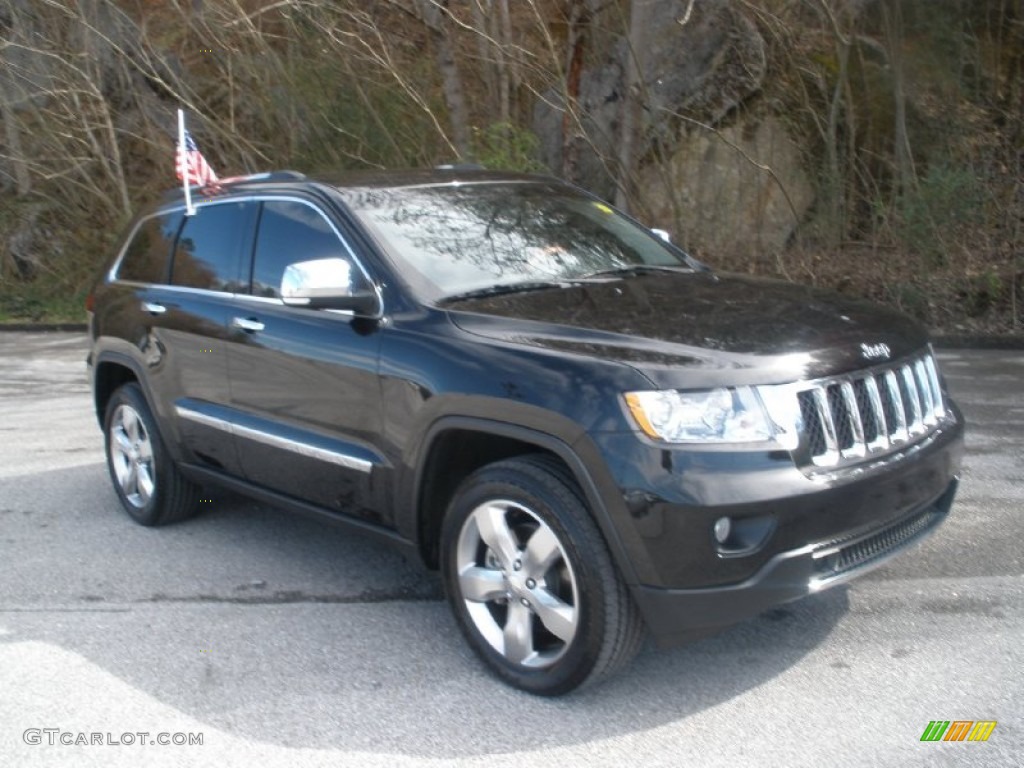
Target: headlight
{"points": [[718, 415]]}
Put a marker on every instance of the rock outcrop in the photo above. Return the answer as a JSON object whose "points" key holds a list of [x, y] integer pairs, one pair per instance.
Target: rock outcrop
{"points": [[697, 72]]}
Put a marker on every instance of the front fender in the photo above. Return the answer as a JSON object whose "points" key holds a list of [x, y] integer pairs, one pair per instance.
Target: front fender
{"points": [[547, 431]]}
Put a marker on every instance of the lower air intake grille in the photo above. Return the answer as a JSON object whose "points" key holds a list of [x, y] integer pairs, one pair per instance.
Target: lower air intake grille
{"points": [[849, 557]]}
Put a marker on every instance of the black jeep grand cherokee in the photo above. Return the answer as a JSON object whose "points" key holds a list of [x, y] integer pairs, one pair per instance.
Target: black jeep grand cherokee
{"points": [[589, 433]]}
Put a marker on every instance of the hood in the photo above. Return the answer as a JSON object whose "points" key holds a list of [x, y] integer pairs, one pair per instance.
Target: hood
{"points": [[702, 323]]}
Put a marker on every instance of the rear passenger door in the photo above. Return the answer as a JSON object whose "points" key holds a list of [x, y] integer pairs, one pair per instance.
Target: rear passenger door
{"points": [[190, 318], [304, 382]]}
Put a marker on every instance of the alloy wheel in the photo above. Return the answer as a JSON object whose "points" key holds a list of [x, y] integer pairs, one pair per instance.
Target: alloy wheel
{"points": [[131, 456], [517, 583]]}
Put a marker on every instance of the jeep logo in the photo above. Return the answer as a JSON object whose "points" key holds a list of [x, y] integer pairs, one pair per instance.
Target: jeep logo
{"points": [[875, 351]]}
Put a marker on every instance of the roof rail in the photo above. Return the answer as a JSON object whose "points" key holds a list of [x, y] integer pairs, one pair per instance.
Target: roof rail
{"points": [[460, 167], [267, 176]]}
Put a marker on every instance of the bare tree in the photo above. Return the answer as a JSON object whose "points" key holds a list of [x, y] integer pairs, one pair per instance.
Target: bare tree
{"points": [[576, 44], [892, 21], [435, 14], [632, 102], [12, 128]]}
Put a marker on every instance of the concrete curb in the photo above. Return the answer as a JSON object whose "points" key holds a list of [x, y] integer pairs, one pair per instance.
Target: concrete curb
{"points": [[43, 327]]}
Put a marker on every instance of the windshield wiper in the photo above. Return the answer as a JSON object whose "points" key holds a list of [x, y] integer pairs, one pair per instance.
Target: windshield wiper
{"points": [[637, 269], [501, 288]]}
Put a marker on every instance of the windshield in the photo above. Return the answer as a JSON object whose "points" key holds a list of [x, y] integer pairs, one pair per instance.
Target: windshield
{"points": [[455, 239]]}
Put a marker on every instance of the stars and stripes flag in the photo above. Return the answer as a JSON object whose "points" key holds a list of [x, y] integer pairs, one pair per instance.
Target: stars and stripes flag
{"points": [[190, 165]]}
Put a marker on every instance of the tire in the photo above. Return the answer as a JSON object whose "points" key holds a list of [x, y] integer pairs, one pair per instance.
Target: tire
{"points": [[149, 485], [531, 582]]}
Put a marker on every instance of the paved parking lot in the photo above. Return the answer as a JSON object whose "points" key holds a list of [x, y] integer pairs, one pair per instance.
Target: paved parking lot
{"points": [[284, 642]]}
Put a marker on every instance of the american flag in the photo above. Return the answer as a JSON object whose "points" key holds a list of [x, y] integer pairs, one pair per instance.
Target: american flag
{"points": [[191, 166]]}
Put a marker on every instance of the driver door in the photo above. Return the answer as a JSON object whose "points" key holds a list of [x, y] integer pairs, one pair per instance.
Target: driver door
{"points": [[304, 382]]}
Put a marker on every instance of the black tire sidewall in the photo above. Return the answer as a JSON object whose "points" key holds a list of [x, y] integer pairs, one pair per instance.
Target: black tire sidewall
{"points": [[499, 482]]}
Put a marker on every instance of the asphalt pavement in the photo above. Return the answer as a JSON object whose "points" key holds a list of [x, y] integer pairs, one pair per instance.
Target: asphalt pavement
{"points": [[279, 641]]}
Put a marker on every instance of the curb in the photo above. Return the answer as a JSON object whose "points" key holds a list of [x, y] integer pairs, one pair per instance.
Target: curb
{"points": [[43, 327]]}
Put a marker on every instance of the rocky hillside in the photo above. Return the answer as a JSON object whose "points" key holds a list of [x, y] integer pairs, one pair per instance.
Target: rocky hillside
{"points": [[875, 146]]}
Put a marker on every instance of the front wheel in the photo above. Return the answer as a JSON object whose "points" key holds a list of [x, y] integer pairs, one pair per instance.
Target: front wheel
{"points": [[530, 580]]}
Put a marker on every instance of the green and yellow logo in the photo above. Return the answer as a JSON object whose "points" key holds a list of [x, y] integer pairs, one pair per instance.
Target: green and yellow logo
{"points": [[958, 730]]}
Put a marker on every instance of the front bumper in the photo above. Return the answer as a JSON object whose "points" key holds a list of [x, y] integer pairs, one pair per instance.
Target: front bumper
{"points": [[803, 532], [675, 615]]}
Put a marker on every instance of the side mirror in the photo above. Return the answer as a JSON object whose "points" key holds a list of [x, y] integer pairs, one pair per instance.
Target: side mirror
{"points": [[326, 284], [663, 234]]}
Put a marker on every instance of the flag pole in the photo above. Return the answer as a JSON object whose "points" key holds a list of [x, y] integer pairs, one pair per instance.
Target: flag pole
{"points": [[189, 210]]}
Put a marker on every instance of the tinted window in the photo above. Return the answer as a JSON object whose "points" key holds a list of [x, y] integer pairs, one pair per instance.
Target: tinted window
{"points": [[209, 247], [289, 232], [146, 258]]}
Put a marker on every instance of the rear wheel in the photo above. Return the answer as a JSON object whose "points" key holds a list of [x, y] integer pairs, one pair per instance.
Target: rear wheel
{"points": [[531, 582], [149, 485]]}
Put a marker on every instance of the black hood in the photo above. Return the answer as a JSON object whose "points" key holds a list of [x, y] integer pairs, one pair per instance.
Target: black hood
{"points": [[700, 323]]}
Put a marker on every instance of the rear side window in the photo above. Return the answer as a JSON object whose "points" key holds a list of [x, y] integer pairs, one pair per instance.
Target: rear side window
{"points": [[289, 232], [210, 245], [147, 256]]}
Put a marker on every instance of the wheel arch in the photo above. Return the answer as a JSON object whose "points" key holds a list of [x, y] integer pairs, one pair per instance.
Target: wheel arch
{"points": [[111, 371], [456, 446]]}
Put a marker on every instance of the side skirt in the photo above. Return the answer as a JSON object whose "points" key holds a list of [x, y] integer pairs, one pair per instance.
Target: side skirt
{"points": [[388, 536]]}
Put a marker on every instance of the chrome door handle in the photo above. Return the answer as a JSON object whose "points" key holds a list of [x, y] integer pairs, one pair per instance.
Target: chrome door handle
{"points": [[247, 325], [153, 308]]}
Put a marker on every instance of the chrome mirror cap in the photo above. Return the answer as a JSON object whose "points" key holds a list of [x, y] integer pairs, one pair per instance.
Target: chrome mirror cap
{"points": [[327, 284]]}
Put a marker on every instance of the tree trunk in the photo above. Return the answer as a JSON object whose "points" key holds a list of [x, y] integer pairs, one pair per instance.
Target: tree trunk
{"points": [[12, 138], [631, 120], [434, 14], [579, 18], [892, 17], [12, 130], [482, 11], [505, 75]]}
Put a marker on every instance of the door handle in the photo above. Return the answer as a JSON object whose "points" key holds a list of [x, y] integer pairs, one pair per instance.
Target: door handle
{"points": [[153, 308], [246, 324]]}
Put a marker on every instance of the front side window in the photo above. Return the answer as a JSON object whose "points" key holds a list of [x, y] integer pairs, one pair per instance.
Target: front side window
{"points": [[289, 232], [146, 258], [210, 245]]}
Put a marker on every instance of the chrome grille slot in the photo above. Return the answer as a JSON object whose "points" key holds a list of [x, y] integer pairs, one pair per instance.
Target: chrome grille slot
{"points": [[865, 409], [911, 398], [861, 415]]}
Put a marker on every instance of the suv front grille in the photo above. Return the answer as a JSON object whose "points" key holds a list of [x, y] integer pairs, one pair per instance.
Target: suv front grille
{"points": [[854, 417]]}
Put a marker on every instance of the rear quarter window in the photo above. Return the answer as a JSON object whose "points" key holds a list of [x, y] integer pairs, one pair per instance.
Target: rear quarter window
{"points": [[146, 259]]}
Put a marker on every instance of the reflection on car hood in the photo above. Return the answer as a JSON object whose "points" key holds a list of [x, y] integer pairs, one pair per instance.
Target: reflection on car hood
{"points": [[700, 322]]}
